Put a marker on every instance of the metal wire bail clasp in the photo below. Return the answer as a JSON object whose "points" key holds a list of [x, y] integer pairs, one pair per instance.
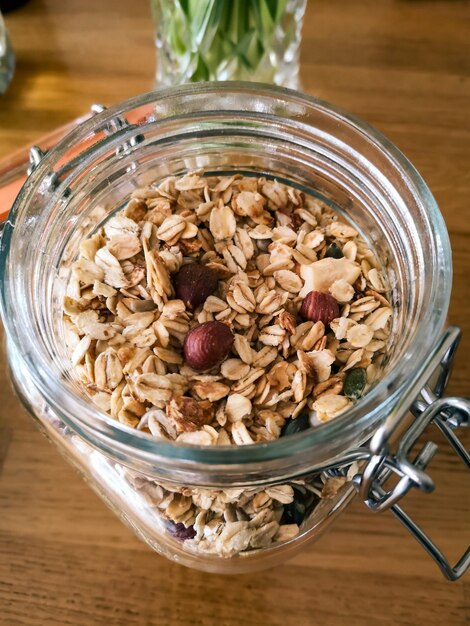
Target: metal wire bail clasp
{"points": [[110, 127], [425, 403], [116, 124]]}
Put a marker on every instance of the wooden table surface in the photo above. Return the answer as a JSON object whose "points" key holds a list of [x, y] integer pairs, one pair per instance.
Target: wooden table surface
{"points": [[402, 65]]}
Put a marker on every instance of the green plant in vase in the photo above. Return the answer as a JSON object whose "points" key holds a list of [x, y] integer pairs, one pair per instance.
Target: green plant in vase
{"points": [[199, 40]]}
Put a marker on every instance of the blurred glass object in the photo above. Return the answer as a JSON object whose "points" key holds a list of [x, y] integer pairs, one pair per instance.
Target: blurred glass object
{"points": [[7, 58], [200, 40], [11, 5]]}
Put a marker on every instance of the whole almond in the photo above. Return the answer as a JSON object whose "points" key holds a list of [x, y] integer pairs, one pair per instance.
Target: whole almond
{"points": [[194, 283], [319, 307], [207, 344]]}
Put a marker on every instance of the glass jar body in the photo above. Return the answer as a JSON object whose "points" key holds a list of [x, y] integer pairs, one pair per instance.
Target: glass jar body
{"points": [[222, 128]]}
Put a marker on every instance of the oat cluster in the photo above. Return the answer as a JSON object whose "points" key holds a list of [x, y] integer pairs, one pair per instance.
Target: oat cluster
{"points": [[269, 246]]}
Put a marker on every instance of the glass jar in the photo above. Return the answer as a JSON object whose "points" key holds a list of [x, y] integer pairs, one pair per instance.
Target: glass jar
{"points": [[222, 127]]}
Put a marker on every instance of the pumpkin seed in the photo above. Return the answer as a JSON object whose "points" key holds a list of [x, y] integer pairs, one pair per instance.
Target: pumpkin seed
{"points": [[296, 511], [355, 383], [334, 251], [296, 425]]}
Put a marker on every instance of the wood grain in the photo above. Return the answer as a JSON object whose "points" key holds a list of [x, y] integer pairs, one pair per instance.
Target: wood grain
{"points": [[403, 65]]}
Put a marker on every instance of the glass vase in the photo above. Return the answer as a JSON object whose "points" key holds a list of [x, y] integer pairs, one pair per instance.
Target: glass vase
{"points": [[7, 58], [203, 40]]}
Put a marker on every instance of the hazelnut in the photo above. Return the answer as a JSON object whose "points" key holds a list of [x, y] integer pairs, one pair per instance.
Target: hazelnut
{"points": [[319, 307], [194, 283], [207, 344]]}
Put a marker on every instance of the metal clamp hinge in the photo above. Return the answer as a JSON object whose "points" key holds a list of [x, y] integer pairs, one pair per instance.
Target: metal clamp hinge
{"points": [[424, 402]]}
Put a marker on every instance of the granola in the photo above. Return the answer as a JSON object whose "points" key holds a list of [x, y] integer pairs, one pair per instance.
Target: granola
{"points": [[226, 310]]}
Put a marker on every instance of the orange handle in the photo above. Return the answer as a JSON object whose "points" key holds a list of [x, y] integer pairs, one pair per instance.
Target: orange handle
{"points": [[13, 169]]}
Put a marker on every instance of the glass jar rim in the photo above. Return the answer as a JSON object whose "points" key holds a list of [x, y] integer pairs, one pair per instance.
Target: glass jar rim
{"points": [[91, 423]]}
